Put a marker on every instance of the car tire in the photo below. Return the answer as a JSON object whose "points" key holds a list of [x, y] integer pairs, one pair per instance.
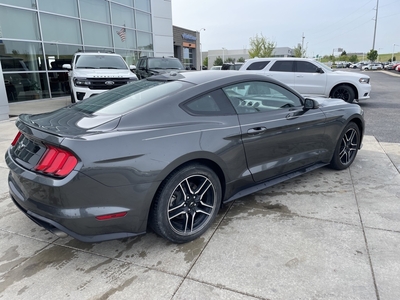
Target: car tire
{"points": [[186, 203], [347, 147], [344, 92]]}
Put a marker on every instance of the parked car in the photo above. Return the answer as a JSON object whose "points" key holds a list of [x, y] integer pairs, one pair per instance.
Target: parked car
{"points": [[312, 78], [231, 66], [149, 66], [216, 68], [372, 67], [169, 150], [92, 73]]}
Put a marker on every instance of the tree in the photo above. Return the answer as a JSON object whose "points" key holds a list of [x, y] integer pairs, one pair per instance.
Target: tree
{"points": [[343, 53], [353, 58], [241, 59], [298, 52], [260, 47], [205, 61], [372, 55], [229, 60], [218, 61]]}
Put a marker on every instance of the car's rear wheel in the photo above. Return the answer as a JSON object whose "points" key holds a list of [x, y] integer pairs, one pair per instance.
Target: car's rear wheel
{"points": [[347, 147], [344, 92], [186, 203]]}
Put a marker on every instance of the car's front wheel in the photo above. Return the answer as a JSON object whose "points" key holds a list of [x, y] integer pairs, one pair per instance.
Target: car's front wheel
{"points": [[347, 147], [344, 92], [186, 203]]}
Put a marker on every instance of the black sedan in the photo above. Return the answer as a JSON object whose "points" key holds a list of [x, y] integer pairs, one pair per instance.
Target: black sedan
{"points": [[169, 150]]}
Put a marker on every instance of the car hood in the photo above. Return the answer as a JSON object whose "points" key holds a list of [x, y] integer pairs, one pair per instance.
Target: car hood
{"points": [[329, 102], [349, 74], [102, 73], [70, 122]]}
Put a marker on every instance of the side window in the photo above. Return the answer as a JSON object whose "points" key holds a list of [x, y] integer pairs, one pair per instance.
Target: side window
{"points": [[283, 66], [211, 104], [260, 96], [258, 65], [306, 67]]}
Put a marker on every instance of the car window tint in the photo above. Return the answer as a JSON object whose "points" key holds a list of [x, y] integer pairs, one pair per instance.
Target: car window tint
{"points": [[260, 96], [258, 65], [282, 66], [213, 103], [306, 67]]}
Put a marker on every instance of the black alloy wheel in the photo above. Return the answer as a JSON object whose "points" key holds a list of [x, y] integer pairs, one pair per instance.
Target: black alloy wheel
{"points": [[343, 92], [346, 148], [186, 204]]}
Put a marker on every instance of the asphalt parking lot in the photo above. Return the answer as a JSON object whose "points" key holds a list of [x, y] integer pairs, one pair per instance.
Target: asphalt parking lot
{"points": [[325, 235]]}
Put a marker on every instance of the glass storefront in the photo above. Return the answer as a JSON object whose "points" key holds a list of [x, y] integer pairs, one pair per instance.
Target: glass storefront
{"points": [[49, 32]]}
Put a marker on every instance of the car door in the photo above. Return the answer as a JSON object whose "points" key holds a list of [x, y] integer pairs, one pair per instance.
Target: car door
{"points": [[278, 134], [309, 79], [283, 71]]}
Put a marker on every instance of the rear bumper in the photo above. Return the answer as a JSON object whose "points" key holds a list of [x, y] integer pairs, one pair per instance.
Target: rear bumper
{"points": [[71, 205]]}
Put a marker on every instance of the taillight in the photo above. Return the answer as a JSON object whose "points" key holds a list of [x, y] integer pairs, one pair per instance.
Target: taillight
{"points": [[16, 138], [56, 162]]}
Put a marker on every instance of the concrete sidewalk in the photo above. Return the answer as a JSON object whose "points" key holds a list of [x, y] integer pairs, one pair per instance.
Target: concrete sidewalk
{"points": [[324, 235]]}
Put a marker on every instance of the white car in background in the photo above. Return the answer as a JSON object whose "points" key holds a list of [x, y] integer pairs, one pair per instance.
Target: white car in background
{"points": [[312, 78], [216, 68], [372, 67]]}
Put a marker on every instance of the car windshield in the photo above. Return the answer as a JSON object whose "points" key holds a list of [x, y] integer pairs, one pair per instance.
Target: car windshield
{"points": [[165, 63], [129, 97], [323, 66], [100, 62]]}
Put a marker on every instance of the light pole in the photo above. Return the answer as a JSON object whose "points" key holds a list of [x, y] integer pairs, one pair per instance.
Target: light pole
{"points": [[201, 54], [393, 51], [223, 54]]}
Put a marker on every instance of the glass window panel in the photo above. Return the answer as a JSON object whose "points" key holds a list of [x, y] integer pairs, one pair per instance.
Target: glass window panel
{"points": [[59, 85], [96, 34], [26, 86], [122, 15], [57, 55], [22, 3], [143, 21], [95, 10], [144, 41], [126, 2], [21, 56], [18, 24], [60, 29], [143, 5], [62, 7], [124, 38], [130, 56]]}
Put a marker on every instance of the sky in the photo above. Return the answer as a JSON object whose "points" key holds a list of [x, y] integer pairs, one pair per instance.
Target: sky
{"points": [[325, 25]]}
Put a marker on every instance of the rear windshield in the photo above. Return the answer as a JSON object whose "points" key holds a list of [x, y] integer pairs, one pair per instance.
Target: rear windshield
{"points": [[129, 97], [165, 63], [100, 62]]}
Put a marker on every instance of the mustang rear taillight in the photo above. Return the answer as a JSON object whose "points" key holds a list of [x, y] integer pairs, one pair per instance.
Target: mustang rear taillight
{"points": [[56, 162], [16, 138]]}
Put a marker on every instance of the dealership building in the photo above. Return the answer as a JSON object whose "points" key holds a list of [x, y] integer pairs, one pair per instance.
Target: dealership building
{"points": [[38, 36]]}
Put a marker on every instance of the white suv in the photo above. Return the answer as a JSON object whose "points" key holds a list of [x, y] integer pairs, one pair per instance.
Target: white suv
{"points": [[92, 73], [312, 78]]}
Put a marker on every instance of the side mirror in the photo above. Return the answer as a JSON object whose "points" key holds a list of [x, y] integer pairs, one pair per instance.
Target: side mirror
{"points": [[319, 70], [310, 104], [66, 66], [132, 67]]}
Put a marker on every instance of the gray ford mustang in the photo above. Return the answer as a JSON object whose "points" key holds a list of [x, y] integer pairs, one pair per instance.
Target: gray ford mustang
{"points": [[168, 151]]}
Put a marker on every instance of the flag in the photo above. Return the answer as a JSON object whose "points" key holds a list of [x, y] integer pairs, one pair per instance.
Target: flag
{"points": [[122, 33]]}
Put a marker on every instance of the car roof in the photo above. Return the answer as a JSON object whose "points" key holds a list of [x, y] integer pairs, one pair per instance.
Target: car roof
{"points": [[201, 77]]}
